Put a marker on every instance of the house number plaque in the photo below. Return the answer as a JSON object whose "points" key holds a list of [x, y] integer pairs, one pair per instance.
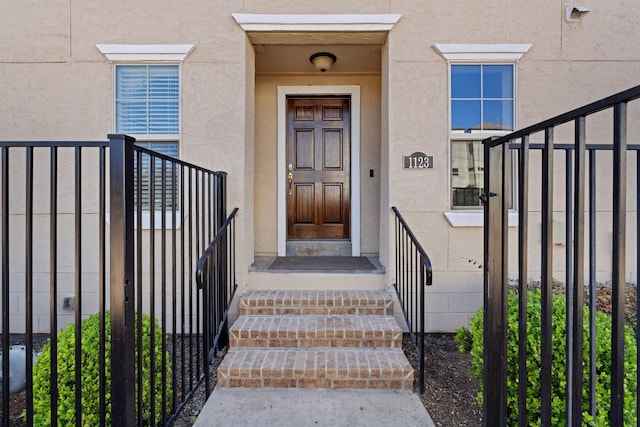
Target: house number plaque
{"points": [[417, 160]]}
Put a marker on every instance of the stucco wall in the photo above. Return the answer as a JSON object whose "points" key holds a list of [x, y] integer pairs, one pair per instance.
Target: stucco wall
{"points": [[57, 85], [568, 65]]}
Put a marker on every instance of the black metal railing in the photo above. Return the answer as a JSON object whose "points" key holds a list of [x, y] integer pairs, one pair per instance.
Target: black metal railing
{"points": [[583, 222], [59, 266], [413, 274], [215, 275]]}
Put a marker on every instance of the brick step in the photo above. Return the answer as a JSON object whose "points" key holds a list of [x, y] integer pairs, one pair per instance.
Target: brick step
{"points": [[326, 368], [316, 302], [316, 331]]}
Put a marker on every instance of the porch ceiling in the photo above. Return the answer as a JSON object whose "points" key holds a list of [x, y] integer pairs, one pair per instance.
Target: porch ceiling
{"points": [[294, 58]]}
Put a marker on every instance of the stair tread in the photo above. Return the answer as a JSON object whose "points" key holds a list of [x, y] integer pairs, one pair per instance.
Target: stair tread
{"points": [[288, 323], [316, 368], [316, 331], [316, 298], [370, 302]]}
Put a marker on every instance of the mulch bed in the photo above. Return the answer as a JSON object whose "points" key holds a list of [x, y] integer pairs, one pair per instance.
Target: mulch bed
{"points": [[450, 394]]}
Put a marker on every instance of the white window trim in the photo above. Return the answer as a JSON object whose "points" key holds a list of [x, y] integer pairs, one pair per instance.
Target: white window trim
{"points": [[482, 52], [473, 54], [129, 54], [316, 22], [145, 52], [474, 218]]}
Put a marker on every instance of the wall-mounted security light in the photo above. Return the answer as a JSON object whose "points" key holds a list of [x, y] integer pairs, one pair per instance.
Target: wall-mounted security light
{"points": [[322, 61], [574, 13]]}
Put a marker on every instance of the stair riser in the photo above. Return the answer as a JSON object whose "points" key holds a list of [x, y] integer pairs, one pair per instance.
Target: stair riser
{"points": [[316, 311], [316, 331], [311, 343], [316, 303], [377, 384], [316, 368]]}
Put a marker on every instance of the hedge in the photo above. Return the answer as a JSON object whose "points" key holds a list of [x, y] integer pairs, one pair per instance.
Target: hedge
{"points": [[471, 340], [90, 374]]}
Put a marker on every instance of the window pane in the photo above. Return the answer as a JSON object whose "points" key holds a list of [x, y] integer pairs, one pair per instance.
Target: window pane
{"points": [[168, 149], [497, 81], [465, 115], [465, 81], [163, 82], [163, 117], [131, 117], [131, 82], [498, 115], [467, 173], [147, 99]]}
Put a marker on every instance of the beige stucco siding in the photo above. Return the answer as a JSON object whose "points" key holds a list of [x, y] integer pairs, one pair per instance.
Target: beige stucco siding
{"points": [[56, 84]]}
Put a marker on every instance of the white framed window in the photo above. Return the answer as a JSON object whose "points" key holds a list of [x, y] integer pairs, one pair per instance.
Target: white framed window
{"points": [[482, 103], [148, 99], [147, 107], [482, 97]]}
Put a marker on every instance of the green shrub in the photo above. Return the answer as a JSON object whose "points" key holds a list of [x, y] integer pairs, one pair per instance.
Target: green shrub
{"points": [[471, 341], [90, 374]]}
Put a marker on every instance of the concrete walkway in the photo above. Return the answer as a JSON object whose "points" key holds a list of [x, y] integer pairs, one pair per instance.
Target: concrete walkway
{"points": [[299, 408]]}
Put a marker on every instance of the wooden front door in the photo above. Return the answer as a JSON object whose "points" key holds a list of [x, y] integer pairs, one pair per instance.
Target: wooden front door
{"points": [[318, 168]]}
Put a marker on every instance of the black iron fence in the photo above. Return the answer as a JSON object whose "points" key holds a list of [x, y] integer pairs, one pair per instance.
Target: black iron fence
{"points": [[215, 275], [413, 273], [112, 231], [589, 196]]}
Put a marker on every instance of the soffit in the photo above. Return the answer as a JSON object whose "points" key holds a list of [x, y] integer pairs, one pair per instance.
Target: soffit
{"points": [[284, 43], [325, 37]]}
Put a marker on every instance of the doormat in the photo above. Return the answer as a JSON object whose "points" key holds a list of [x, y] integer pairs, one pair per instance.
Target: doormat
{"points": [[322, 263]]}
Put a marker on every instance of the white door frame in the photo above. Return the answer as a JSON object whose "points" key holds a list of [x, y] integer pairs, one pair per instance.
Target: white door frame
{"points": [[354, 92]]}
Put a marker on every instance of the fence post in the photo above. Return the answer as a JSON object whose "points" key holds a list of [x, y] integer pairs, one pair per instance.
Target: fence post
{"points": [[223, 276], [121, 171], [616, 415], [495, 201], [221, 199]]}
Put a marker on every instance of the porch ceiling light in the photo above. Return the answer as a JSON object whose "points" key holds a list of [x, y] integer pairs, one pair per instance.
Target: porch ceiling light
{"points": [[322, 60]]}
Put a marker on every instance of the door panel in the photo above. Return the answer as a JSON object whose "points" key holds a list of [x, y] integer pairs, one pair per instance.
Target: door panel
{"points": [[318, 168], [304, 149], [332, 203], [305, 209], [332, 149]]}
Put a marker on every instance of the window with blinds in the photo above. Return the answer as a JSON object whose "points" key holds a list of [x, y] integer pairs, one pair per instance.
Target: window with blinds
{"points": [[147, 101], [170, 193]]}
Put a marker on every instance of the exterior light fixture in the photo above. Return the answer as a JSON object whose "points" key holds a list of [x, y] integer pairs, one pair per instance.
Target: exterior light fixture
{"points": [[574, 13], [322, 60]]}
